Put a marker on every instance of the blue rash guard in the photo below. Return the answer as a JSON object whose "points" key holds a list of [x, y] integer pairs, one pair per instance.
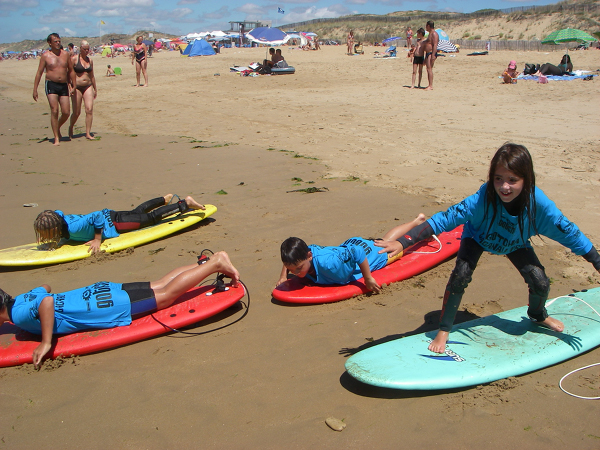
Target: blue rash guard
{"points": [[100, 305], [82, 227], [339, 265], [504, 236]]}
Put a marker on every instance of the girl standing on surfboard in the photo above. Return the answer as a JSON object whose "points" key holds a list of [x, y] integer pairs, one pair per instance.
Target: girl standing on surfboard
{"points": [[52, 226], [103, 304], [500, 218]]}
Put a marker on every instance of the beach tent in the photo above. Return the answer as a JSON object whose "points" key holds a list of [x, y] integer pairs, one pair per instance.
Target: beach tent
{"points": [[199, 48]]}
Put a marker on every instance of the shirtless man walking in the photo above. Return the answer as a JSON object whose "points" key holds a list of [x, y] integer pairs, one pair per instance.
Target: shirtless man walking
{"points": [[58, 68], [431, 44]]}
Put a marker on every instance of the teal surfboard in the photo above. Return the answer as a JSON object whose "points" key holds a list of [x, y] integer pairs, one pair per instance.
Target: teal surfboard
{"points": [[483, 350]]}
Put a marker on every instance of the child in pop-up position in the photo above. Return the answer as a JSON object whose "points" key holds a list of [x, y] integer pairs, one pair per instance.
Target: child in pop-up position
{"points": [[355, 258]]}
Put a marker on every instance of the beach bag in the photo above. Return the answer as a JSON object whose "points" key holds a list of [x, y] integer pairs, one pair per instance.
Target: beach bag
{"points": [[543, 79]]}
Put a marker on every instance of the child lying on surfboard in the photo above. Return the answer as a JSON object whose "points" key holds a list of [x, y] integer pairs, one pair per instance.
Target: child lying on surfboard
{"points": [[104, 304], [350, 261], [500, 218], [52, 226]]}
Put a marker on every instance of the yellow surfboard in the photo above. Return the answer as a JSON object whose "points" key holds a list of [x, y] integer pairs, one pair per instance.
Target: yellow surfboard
{"points": [[33, 255]]}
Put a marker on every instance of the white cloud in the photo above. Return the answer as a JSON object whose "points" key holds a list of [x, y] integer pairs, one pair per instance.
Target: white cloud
{"points": [[252, 9], [218, 14], [303, 14], [28, 13], [12, 5]]}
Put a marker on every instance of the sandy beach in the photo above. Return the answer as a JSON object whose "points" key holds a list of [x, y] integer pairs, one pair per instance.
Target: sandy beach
{"points": [[385, 153]]}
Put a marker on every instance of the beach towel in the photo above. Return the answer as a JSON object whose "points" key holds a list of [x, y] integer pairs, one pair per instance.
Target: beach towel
{"points": [[555, 77]]}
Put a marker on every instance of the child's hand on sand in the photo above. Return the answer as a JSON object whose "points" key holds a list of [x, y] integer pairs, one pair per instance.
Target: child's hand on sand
{"points": [[372, 285]]}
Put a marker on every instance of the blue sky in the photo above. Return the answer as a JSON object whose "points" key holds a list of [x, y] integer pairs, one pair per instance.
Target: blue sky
{"points": [[35, 19]]}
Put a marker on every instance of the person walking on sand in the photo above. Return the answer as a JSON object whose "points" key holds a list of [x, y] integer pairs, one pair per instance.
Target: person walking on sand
{"points": [[82, 77], [350, 42], [58, 67], [431, 44], [139, 57]]}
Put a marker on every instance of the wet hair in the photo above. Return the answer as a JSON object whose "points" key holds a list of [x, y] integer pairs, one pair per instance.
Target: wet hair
{"points": [[293, 251], [50, 222], [50, 36], [517, 159], [430, 23], [5, 299], [422, 31]]}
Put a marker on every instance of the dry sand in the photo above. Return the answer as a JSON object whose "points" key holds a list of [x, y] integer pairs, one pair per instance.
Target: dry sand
{"points": [[385, 153]]}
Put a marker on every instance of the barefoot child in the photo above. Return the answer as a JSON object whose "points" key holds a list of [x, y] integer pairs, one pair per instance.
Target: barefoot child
{"points": [[52, 226], [354, 259], [418, 58], [510, 74], [500, 218], [103, 304]]}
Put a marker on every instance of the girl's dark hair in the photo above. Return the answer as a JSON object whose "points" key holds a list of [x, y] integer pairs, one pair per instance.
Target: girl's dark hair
{"points": [[565, 59], [517, 159], [5, 299], [293, 251], [51, 223]]}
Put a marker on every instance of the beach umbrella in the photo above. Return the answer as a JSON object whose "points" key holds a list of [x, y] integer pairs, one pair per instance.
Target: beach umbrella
{"points": [[268, 36], [446, 46], [442, 34], [568, 35], [390, 39], [147, 42]]}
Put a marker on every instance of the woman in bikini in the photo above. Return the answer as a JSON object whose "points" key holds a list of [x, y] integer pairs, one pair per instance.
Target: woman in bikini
{"points": [[83, 79], [139, 56]]}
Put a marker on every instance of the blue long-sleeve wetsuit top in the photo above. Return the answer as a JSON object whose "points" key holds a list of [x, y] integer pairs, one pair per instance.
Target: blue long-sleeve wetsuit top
{"points": [[339, 265], [100, 305], [504, 235], [81, 227]]}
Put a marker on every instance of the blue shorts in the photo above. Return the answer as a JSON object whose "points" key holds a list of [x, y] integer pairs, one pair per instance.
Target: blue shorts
{"points": [[142, 298]]}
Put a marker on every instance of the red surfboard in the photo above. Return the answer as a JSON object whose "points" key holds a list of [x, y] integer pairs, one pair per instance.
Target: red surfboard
{"points": [[417, 259], [16, 345]]}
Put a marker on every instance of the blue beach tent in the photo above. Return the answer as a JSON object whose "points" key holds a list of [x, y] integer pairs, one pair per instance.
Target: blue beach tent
{"points": [[199, 47]]}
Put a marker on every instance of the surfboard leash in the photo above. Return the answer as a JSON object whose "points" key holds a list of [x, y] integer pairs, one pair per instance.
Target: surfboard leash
{"points": [[219, 287], [572, 296]]}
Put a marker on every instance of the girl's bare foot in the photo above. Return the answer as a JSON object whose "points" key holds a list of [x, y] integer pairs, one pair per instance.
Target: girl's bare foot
{"points": [[552, 324], [193, 204], [89, 137], [438, 345], [168, 198]]}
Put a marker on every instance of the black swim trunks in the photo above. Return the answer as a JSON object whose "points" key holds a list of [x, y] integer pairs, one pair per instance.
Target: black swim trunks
{"points": [[418, 59], [60, 89]]}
